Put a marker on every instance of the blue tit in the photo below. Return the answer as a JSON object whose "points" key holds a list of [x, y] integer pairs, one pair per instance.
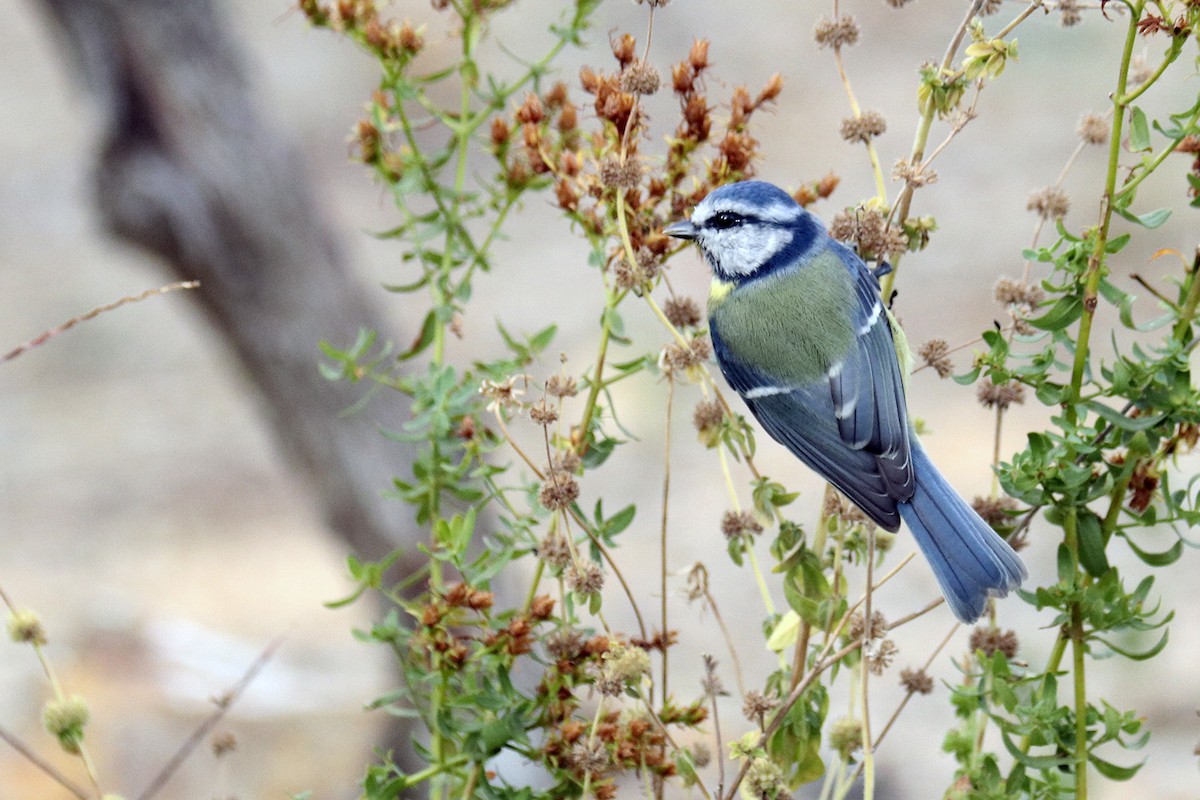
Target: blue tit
{"points": [[801, 334]]}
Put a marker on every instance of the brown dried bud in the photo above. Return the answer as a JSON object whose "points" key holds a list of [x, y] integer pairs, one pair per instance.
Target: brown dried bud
{"points": [[568, 118], [698, 55], [500, 132], [589, 80], [531, 110], [541, 607], [995, 511], [623, 49]]}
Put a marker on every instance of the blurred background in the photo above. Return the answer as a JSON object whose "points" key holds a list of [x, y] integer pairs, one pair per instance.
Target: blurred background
{"points": [[148, 514]]}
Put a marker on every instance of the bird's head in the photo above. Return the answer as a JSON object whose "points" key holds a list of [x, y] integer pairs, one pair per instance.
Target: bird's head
{"points": [[750, 229]]}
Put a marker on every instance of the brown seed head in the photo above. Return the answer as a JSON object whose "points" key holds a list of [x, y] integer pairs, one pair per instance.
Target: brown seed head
{"points": [[864, 127], [1000, 396], [1050, 203], [585, 577], [640, 77], [558, 492], [990, 641], [936, 353], [682, 312], [1093, 129], [737, 524], [916, 681], [543, 413], [698, 55], [838, 32]]}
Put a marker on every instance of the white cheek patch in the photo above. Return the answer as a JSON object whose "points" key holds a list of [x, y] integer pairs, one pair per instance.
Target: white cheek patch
{"points": [[742, 250]]}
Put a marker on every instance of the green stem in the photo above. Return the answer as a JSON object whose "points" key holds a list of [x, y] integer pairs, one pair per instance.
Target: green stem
{"points": [[1078, 666], [1188, 313], [1095, 266]]}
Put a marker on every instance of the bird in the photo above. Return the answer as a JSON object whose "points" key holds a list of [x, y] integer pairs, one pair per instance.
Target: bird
{"points": [[801, 333]]}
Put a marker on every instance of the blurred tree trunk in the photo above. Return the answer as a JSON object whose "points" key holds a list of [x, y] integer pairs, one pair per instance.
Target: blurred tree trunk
{"points": [[190, 169]]}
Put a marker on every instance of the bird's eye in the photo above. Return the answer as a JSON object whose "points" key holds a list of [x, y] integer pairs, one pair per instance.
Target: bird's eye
{"points": [[725, 220]]}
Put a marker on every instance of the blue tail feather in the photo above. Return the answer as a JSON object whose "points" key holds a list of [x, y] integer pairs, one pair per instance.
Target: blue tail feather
{"points": [[970, 561]]}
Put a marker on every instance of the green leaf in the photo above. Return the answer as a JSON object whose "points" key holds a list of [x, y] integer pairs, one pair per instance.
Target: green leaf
{"points": [[1061, 314], [1123, 422], [1091, 543], [1112, 771], [1162, 559], [1151, 219], [424, 339], [1136, 655], [1139, 130]]}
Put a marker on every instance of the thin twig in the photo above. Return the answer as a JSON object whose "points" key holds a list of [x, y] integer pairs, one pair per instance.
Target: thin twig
{"points": [[224, 703], [95, 312], [666, 496], [43, 765]]}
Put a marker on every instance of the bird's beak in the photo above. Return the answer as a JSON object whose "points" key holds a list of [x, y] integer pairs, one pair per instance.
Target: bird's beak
{"points": [[683, 229]]}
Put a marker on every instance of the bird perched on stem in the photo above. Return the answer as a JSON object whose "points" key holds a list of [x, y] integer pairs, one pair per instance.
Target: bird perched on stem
{"points": [[801, 334]]}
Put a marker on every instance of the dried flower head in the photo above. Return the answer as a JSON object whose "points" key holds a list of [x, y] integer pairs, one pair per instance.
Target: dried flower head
{"points": [[640, 77], [936, 353], [916, 681], [564, 644], [756, 705], [879, 657], [554, 550], [618, 174], [841, 31], [505, 395], [589, 758], [990, 641], [1069, 11], [835, 505], [565, 462], [707, 419], [559, 491], [585, 577], [858, 629], [543, 413], [868, 230], [26, 626], [683, 312], [1049, 203], [1012, 292], [740, 524], [990, 7], [1001, 396], [676, 357], [995, 511], [1093, 129], [845, 736], [916, 175], [561, 386], [864, 127]]}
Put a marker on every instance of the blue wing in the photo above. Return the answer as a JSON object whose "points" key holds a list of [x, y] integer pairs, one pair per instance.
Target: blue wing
{"points": [[852, 426]]}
